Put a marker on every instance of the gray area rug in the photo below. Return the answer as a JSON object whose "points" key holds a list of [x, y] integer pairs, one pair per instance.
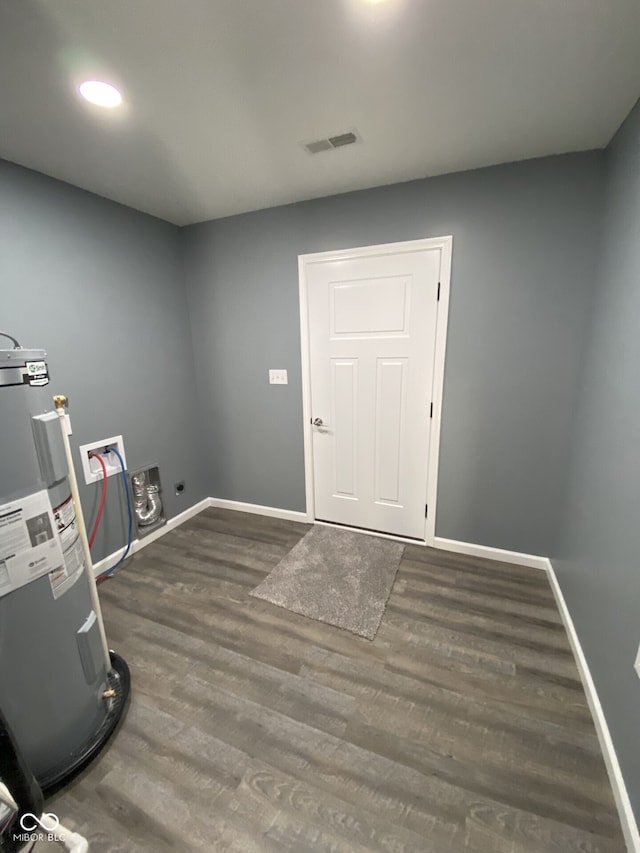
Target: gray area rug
{"points": [[336, 576]]}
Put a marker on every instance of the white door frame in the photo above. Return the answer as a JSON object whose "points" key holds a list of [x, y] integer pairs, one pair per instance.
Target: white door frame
{"points": [[444, 244]]}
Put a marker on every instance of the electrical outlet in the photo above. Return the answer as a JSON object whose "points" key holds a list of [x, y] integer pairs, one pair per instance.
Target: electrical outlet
{"points": [[92, 468], [278, 377], [636, 665]]}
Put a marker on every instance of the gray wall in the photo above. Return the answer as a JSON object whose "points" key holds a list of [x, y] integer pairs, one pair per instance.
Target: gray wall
{"points": [[98, 286], [101, 288], [526, 241], [598, 554]]}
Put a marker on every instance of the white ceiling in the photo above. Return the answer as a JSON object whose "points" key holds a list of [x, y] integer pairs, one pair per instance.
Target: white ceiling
{"points": [[219, 93]]}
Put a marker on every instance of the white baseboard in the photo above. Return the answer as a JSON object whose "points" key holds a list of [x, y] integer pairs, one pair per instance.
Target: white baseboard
{"points": [[515, 557], [621, 796], [110, 561], [256, 509], [273, 512]]}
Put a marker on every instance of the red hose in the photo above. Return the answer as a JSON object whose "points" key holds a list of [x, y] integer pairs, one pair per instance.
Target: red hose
{"points": [[103, 495]]}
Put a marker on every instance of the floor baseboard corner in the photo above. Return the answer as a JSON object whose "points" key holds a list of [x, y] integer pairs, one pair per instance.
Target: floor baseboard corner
{"points": [[110, 560], [488, 553], [257, 509], [619, 788]]}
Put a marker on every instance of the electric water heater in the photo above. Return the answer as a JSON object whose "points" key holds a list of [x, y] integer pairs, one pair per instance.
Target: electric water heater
{"points": [[61, 692]]}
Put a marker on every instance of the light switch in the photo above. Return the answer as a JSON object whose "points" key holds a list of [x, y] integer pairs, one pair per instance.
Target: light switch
{"points": [[278, 377]]}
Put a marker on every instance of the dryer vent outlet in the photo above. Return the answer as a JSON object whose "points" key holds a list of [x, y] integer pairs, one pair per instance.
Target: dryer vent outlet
{"points": [[148, 509]]}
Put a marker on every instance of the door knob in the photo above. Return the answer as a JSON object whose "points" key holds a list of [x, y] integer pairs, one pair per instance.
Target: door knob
{"points": [[318, 422]]}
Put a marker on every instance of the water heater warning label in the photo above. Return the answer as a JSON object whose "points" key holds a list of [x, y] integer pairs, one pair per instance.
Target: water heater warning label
{"points": [[29, 542], [65, 576]]}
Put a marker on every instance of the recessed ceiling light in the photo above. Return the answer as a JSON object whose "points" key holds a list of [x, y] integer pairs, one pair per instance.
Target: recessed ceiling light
{"points": [[100, 93]]}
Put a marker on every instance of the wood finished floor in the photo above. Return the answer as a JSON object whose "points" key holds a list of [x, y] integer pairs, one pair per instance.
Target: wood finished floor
{"points": [[462, 727]]}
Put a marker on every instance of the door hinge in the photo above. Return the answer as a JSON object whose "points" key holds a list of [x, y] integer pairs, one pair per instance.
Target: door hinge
{"points": [[438, 292], [426, 510], [431, 411]]}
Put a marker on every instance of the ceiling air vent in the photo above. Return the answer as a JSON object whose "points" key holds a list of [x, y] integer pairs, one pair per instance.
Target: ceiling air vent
{"points": [[318, 146], [337, 141], [343, 139]]}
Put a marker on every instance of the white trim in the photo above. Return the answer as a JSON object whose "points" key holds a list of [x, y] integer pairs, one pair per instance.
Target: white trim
{"points": [[105, 564], [442, 322], [620, 794], [445, 245], [257, 509], [273, 512], [378, 249], [488, 553], [306, 388]]}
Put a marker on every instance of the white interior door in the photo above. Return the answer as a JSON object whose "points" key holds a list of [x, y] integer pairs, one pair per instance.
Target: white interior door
{"points": [[372, 342]]}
